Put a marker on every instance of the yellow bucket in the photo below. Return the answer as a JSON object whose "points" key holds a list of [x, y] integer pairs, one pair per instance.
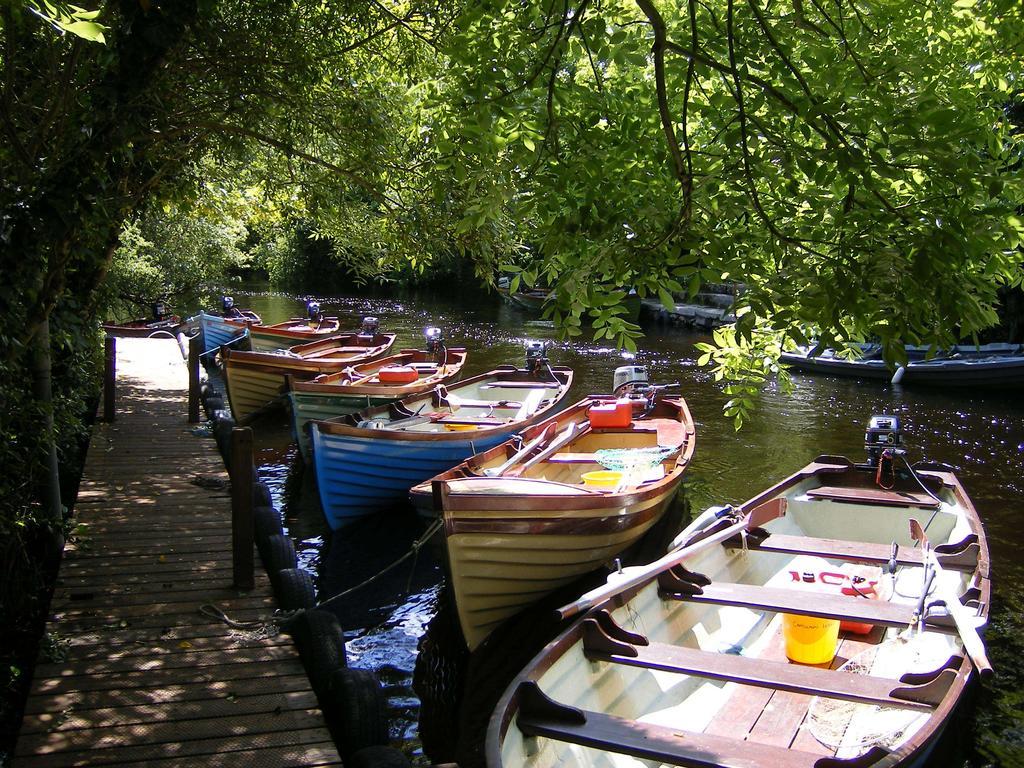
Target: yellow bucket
{"points": [[602, 478], [809, 639], [460, 427]]}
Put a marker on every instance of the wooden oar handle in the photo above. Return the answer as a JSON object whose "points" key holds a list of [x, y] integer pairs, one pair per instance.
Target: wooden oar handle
{"points": [[758, 516]]}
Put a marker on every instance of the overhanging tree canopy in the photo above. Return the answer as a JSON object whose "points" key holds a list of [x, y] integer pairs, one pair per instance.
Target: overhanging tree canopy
{"points": [[849, 161]]}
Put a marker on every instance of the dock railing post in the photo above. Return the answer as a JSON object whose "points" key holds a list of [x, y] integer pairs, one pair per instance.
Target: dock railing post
{"points": [[195, 349], [109, 376], [242, 476]]}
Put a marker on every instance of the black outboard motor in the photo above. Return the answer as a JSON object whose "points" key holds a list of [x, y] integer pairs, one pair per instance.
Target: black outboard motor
{"points": [[370, 326], [883, 433], [313, 312], [228, 306], [435, 345], [537, 357], [159, 309]]}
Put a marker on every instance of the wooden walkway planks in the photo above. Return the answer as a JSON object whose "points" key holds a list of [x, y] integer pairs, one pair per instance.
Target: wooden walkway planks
{"points": [[138, 675]]}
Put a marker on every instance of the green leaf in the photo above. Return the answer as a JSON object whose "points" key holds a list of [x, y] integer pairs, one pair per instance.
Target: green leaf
{"points": [[87, 30], [666, 299]]}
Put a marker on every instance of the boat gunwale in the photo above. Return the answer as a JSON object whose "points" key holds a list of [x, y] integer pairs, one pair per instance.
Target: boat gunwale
{"points": [[283, 331], [273, 363], [915, 747], [342, 426], [455, 361], [249, 318], [142, 327]]}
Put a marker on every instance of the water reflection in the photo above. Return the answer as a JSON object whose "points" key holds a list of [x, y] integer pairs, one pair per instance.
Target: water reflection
{"points": [[980, 434]]}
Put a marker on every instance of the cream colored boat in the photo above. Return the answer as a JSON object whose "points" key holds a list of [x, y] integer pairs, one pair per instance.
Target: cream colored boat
{"points": [[686, 661], [257, 381], [519, 525]]}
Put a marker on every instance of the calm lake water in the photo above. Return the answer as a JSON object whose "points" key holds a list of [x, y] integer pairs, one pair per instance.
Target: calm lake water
{"points": [[979, 433]]}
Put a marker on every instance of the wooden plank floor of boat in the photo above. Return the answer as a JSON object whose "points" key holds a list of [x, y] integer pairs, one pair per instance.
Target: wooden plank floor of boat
{"points": [[135, 674], [777, 718]]}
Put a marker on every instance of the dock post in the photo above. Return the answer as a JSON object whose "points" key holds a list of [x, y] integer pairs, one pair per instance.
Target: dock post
{"points": [[109, 377], [195, 349], [242, 477]]}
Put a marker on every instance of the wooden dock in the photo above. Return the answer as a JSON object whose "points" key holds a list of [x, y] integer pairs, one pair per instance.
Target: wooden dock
{"points": [[131, 672]]}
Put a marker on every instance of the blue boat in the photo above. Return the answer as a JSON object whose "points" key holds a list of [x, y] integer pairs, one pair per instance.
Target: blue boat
{"points": [[994, 366], [231, 324], [366, 462]]}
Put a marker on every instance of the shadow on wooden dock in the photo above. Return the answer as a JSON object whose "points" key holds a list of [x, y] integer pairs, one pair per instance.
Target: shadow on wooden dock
{"points": [[134, 673]]}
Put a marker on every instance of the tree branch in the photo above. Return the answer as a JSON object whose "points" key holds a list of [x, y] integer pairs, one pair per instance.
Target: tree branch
{"points": [[679, 164], [752, 193], [289, 150]]}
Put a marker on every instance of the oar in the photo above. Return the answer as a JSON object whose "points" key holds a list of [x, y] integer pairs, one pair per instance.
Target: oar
{"points": [[569, 433], [966, 625], [631, 577], [518, 455], [705, 517]]}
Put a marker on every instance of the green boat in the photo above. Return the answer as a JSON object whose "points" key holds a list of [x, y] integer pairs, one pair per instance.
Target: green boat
{"points": [[378, 382]]}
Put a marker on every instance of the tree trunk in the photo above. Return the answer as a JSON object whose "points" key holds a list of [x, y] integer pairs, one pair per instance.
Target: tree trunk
{"points": [[49, 486]]}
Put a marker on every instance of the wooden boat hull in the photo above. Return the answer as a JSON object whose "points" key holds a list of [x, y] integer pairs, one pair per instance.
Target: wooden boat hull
{"points": [[511, 540], [339, 394], [256, 381], [362, 470], [359, 476], [499, 564], [218, 331], [141, 329], [667, 688], [993, 366], [268, 338]]}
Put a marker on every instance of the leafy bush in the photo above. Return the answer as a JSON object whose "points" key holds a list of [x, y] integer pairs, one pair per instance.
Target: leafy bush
{"points": [[171, 255]]}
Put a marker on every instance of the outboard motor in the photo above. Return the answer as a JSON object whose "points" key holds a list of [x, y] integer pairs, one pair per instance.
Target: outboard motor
{"points": [[159, 309], [537, 357], [369, 328], [630, 378], [883, 433], [504, 282], [313, 312], [228, 306], [435, 346]]}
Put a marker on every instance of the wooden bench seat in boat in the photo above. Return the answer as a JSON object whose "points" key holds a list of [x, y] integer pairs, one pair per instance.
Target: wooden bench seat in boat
{"points": [[335, 351], [521, 385], [961, 556], [482, 420], [779, 600], [606, 641], [541, 716], [567, 457], [873, 496]]}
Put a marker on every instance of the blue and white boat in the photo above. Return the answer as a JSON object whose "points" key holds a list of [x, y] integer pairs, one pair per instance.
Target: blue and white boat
{"points": [[366, 462], [231, 324]]}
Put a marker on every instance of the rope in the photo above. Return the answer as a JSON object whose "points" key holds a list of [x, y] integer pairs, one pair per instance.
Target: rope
{"points": [[413, 552], [251, 630]]}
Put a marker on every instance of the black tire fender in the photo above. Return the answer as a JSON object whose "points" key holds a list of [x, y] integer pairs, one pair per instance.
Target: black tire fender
{"points": [[295, 589], [356, 710], [261, 496], [266, 522], [278, 553], [321, 643], [377, 757]]}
